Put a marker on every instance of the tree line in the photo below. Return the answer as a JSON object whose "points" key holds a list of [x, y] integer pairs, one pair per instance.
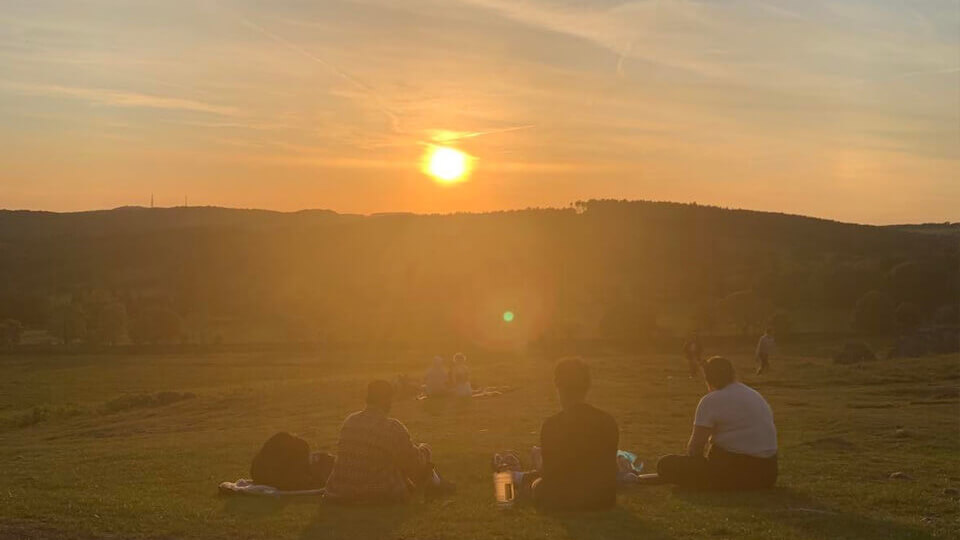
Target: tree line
{"points": [[604, 269]]}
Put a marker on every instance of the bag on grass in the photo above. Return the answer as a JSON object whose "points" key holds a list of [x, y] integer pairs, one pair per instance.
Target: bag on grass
{"points": [[285, 463]]}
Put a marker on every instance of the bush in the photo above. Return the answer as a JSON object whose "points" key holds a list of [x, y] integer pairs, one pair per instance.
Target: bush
{"points": [[947, 315], [908, 316], [874, 314], [155, 325], [139, 401], [854, 353], [11, 331]]}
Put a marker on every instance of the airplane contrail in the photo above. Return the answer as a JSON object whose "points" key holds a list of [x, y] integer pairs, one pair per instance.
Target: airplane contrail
{"points": [[472, 134], [366, 88]]}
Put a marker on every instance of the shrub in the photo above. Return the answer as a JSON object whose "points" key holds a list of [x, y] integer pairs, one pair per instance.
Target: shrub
{"points": [[874, 314], [139, 401], [908, 316]]}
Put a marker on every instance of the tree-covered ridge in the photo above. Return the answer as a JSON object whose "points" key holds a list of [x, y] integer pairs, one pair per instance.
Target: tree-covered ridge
{"points": [[596, 270]]}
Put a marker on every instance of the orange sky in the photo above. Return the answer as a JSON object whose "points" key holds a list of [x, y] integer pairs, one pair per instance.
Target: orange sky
{"points": [[840, 109]]}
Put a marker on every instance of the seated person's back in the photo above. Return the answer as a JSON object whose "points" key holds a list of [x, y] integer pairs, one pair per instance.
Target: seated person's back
{"points": [[436, 380], [741, 420], [376, 460], [579, 448]]}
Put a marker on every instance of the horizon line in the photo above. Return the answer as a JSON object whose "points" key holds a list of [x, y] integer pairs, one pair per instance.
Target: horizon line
{"points": [[468, 212]]}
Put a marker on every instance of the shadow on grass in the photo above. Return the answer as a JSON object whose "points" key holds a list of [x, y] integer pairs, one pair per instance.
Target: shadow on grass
{"points": [[616, 523], [335, 521], [798, 510], [251, 507], [438, 406]]}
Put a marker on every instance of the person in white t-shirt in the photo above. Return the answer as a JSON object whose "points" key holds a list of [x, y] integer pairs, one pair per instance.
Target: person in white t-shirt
{"points": [[460, 373], [737, 423], [765, 348]]}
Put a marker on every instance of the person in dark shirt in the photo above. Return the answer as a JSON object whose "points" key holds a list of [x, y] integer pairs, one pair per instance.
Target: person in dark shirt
{"points": [[578, 448]]}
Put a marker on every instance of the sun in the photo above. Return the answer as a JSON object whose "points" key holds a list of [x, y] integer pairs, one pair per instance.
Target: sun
{"points": [[445, 164]]}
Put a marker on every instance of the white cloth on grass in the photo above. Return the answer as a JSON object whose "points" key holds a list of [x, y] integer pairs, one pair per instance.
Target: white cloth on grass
{"points": [[245, 486]]}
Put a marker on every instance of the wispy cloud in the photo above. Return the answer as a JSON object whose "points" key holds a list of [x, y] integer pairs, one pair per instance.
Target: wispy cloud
{"points": [[118, 98], [368, 91]]}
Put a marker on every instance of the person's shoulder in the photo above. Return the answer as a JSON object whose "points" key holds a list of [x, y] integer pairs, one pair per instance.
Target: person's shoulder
{"points": [[552, 419], [602, 416], [396, 425], [710, 398], [353, 417], [748, 390]]}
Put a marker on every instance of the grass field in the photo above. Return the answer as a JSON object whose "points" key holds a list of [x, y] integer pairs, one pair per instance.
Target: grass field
{"points": [[80, 460]]}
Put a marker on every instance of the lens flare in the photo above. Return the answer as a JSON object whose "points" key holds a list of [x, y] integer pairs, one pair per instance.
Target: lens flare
{"points": [[507, 316]]}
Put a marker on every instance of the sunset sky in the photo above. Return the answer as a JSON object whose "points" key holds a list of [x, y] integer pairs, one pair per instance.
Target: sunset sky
{"points": [[842, 109]]}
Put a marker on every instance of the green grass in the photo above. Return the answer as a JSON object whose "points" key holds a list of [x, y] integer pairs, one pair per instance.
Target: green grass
{"points": [[90, 449]]}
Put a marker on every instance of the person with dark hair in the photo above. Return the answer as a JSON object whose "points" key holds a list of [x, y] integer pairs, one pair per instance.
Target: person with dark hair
{"points": [[738, 424], [578, 448], [693, 350], [376, 459]]}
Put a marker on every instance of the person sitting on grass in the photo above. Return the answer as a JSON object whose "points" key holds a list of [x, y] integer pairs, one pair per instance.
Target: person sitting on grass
{"points": [[738, 423], [436, 381], [377, 461], [578, 448]]}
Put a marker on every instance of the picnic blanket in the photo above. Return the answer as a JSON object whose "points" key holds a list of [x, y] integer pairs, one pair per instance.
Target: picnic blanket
{"points": [[245, 486], [486, 392]]}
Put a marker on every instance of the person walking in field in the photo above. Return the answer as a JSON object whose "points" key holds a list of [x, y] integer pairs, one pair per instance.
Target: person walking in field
{"points": [[765, 347], [577, 459], [738, 424], [460, 373], [693, 351], [377, 462]]}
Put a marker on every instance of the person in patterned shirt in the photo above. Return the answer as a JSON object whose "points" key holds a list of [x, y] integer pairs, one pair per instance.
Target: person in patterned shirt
{"points": [[376, 459]]}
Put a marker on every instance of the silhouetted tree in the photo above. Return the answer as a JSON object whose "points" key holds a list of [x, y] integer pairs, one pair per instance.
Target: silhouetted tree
{"points": [[155, 325], [908, 316], [11, 331], [874, 313], [745, 309], [67, 322]]}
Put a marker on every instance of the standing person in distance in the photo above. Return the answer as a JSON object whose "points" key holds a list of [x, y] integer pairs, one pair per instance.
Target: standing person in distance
{"points": [[693, 351], [765, 347]]}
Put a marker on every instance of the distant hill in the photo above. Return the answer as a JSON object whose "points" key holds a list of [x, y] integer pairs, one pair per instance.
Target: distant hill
{"points": [[952, 229], [599, 269]]}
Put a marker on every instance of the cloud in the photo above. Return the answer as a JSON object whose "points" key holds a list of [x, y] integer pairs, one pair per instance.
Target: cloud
{"points": [[368, 91], [118, 98]]}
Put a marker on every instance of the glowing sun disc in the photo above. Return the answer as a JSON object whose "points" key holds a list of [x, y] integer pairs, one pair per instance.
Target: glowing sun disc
{"points": [[446, 164]]}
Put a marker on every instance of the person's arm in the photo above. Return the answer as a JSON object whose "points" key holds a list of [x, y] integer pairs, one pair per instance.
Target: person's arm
{"points": [[409, 458], [703, 424], [547, 449], [698, 440]]}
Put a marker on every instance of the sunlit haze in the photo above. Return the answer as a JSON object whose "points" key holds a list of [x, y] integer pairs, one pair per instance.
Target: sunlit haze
{"points": [[842, 109]]}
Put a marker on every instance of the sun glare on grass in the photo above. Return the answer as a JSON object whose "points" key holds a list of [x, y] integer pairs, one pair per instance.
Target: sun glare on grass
{"points": [[446, 165]]}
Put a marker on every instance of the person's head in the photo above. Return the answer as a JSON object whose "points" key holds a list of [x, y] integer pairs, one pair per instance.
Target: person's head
{"points": [[459, 358], [769, 330], [719, 372], [438, 361], [380, 396], [572, 378]]}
